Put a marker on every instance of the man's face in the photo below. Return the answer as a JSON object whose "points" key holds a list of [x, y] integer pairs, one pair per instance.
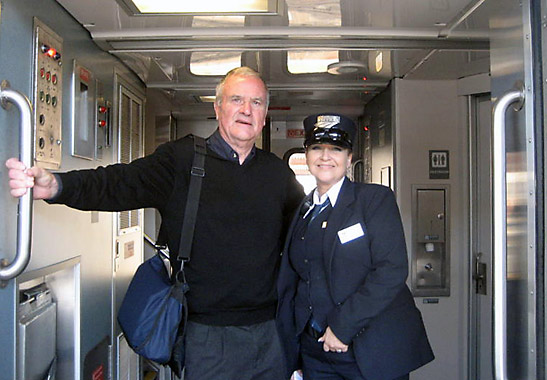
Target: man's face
{"points": [[241, 114]]}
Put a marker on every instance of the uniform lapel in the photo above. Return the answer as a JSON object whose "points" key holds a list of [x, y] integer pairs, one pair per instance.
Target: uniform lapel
{"points": [[339, 214], [308, 198]]}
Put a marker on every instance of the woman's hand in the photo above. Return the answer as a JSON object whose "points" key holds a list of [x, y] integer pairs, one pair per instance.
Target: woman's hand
{"points": [[332, 343]]}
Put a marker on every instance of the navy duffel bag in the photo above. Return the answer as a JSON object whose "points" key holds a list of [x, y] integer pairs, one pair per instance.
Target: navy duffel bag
{"points": [[153, 310]]}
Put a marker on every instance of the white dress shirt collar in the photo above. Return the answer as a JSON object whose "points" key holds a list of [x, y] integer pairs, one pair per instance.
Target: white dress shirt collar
{"points": [[332, 194]]}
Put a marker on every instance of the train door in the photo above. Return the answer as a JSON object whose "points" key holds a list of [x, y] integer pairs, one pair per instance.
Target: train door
{"points": [[518, 325], [480, 168]]}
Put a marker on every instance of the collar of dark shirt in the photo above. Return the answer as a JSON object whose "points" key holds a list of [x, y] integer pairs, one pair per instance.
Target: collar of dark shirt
{"points": [[216, 143]]}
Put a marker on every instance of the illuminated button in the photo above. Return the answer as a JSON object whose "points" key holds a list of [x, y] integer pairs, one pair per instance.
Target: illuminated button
{"points": [[54, 101], [102, 123], [52, 52], [42, 72], [54, 79], [48, 76], [102, 109]]}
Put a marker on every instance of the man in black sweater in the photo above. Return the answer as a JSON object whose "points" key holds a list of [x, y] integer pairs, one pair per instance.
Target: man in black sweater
{"points": [[247, 197]]}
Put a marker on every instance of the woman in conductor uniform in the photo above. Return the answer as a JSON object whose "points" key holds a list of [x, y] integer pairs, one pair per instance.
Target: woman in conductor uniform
{"points": [[344, 309]]}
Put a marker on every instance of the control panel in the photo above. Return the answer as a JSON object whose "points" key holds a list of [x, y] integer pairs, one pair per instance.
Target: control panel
{"points": [[104, 123], [48, 47]]}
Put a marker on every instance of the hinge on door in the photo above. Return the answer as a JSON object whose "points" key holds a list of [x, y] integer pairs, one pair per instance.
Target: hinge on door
{"points": [[479, 275], [110, 360], [117, 256]]}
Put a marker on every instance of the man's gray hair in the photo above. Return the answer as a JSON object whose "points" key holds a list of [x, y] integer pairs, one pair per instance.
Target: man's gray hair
{"points": [[242, 71]]}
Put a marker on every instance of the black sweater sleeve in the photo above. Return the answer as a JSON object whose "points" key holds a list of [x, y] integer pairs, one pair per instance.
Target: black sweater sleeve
{"points": [[145, 182]]}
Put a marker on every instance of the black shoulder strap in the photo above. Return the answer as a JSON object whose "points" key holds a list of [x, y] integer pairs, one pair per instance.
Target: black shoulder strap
{"points": [[192, 202]]}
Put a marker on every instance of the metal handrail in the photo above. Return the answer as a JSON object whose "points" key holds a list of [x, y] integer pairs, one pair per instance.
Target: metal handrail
{"points": [[500, 232], [160, 248], [26, 155]]}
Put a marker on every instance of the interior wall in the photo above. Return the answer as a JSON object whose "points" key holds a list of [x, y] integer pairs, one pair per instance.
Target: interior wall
{"points": [[429, 115], [280, 144], [157, 107], [157, 104], [202, 128], [378, 114], [60, 233]]}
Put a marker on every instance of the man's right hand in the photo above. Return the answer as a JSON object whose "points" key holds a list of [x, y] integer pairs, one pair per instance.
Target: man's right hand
{"points": [[22, 178]]}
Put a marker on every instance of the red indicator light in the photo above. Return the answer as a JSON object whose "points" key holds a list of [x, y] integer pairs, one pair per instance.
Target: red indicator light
{"points": [[366, 128], [51, 52], [102, 109], [364, 78], [102, 123]]}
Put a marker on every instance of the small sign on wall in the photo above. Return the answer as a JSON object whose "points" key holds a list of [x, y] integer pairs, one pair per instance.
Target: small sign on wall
{"points": [[295, 133], [439, 167]]}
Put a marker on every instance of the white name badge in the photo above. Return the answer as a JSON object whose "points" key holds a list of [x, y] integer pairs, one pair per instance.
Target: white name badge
{"points": [[350, 233]]}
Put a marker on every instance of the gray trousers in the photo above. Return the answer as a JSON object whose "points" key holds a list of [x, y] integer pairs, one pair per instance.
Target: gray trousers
{"points": [[233, 352]]}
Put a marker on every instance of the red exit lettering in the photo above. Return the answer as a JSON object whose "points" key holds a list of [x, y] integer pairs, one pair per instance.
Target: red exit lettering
{"points": [[295, 133], [98, 373]]}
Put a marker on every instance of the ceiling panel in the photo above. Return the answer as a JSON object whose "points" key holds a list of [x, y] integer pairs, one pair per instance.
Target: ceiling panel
{"points": [[159, 48]]}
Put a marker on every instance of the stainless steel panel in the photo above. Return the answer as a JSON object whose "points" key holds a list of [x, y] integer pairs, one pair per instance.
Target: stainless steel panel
{"points": [[37, 334], [83, 112], [430, 218], [511, 65], [430, 262]]}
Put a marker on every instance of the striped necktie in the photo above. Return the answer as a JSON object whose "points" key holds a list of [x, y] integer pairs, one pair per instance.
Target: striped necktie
{"points": [[318, 208]]}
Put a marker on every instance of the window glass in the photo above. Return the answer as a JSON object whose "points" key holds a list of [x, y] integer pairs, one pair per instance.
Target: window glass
{"points": [[297, 162], [218, 21], [214, 63], [314, 12]]}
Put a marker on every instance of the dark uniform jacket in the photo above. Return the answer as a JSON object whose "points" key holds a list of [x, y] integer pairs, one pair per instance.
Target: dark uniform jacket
{"points": [[375, 311]]}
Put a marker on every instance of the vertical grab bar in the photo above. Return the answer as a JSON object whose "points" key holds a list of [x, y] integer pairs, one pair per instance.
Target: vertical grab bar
{"points": [[500, 232], [26, 155]]}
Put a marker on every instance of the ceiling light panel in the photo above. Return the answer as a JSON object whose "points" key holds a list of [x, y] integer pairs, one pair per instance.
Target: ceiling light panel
{"points": [[216, 7], [214, 63], [307, 62]]}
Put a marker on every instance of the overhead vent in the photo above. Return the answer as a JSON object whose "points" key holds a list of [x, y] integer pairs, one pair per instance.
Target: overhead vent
{"points": [[346, 67]]}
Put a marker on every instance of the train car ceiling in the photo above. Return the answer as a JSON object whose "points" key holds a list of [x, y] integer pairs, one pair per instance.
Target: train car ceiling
{"points": [[340, 53]]}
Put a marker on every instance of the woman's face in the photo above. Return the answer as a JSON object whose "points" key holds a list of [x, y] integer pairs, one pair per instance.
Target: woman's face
{"points": [[328, 164]]}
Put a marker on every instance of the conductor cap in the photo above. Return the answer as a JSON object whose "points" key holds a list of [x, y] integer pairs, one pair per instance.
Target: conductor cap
{"points": [[329, 128]]}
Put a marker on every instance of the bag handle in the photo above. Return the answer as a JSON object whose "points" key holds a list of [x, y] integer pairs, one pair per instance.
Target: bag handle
{"points": [[192, 202]]}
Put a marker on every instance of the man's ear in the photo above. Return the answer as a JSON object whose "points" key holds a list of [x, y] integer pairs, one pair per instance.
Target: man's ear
{"points": [[215, 106]]}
